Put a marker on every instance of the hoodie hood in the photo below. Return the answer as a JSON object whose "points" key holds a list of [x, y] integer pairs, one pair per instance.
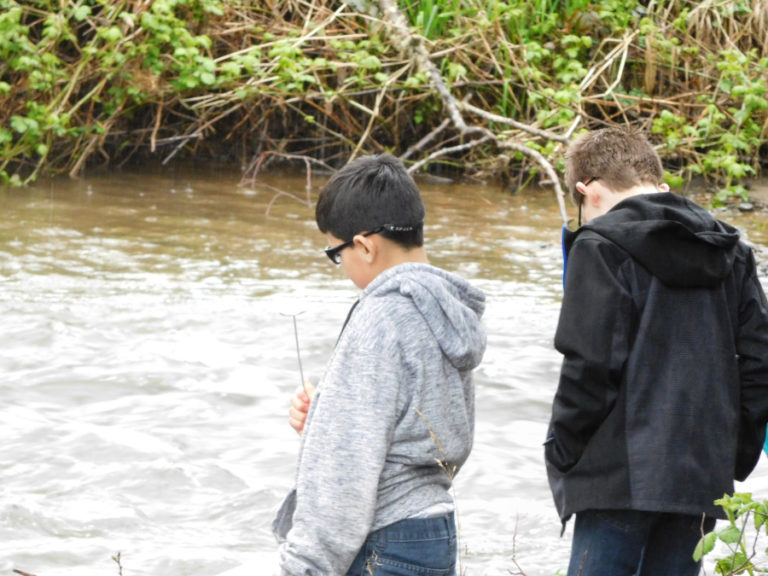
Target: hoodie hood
{"points": [[451, 307], [673, 238]]}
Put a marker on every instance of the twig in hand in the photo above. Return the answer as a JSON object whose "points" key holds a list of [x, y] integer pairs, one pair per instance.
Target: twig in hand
{"points": [[298, 350]]}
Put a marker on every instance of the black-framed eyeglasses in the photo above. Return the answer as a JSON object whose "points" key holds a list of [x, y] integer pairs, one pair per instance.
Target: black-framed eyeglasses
{"points": [[581, 199], [335, 253]]}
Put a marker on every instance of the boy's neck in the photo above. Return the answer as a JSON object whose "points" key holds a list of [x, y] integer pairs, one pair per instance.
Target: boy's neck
{"points": [[397, 256], [616, 197], [389, 255]]}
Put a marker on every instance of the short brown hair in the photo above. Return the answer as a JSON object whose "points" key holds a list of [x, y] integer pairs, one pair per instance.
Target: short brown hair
{"points": [[620, 157]]}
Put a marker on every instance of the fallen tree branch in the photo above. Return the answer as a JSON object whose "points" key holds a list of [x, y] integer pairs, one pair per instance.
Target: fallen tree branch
{"points": [[426, 140], [537, 157], [250, 173], [450, 150], [548, 170], [415, 48], [491, 117]]}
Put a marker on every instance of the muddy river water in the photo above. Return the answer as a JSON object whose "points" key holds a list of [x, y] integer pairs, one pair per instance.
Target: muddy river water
{"points": [[147, 359]]}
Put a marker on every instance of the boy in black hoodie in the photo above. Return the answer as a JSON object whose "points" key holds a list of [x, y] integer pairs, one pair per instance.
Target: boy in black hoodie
{"points": [[663, 392]]}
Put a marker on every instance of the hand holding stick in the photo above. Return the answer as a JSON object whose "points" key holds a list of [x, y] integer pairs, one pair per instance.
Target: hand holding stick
{"points": [[301, 400], [299, 409]]}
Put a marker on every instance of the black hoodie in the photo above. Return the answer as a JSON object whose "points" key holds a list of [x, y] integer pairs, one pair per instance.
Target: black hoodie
{"points": [[675, 240], [663, 392]]}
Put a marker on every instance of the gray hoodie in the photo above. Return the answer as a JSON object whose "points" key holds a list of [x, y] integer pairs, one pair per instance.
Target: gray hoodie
{"points": [[391, 422]]}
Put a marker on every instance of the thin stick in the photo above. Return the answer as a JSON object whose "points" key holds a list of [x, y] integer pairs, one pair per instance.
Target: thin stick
{"points": [[298, 350]]}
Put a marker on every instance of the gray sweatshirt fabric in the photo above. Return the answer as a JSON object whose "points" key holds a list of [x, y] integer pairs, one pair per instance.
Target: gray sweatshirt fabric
{"points": [[392, 419]]}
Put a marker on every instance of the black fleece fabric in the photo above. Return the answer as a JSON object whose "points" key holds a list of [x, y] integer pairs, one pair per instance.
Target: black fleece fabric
{"points": [[663, 392]]}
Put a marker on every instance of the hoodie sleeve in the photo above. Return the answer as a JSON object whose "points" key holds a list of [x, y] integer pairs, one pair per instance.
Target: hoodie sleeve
{"points": [[346, 443], [592, 335], [752, 348]]}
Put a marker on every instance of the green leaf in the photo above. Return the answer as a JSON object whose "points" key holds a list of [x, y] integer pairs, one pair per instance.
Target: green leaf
{"points": [[761, 514], [204, 41], [213, 8], [80, 13], [128, 18], [370, 62], [705, 546], [22, 124], [730, 534], [736, 564], [231, 69], [111, 34]]}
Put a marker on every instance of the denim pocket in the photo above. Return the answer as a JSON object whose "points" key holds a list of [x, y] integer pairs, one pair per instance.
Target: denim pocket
{"points": [[413, 547], [436, 557]]}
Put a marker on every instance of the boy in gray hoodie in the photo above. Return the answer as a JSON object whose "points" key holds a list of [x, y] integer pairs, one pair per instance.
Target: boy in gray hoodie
{"points": [[392, 419]]}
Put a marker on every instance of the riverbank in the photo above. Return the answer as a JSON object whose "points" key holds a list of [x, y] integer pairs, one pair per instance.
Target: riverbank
{"points": [[492, 90]]}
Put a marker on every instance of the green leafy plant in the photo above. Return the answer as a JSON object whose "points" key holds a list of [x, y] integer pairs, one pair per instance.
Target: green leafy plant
{"points": [[434, 18], [743, 513], [107, 79]]}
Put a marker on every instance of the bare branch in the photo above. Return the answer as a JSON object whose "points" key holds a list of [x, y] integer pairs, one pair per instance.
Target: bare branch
{"points": [[426, 140], [414, 46], [511, 122], [548, 169], [445, 151]]}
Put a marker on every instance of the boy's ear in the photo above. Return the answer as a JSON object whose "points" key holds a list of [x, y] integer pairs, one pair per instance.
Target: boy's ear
{"points": [[589, 192], [367, 246]]}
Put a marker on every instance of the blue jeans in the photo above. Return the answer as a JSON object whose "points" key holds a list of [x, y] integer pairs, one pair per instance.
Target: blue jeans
{"points": [[412, 547], [635, 543]]}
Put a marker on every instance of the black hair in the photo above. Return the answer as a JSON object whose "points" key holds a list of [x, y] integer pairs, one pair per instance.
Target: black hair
{"points": [[370, 192]]}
